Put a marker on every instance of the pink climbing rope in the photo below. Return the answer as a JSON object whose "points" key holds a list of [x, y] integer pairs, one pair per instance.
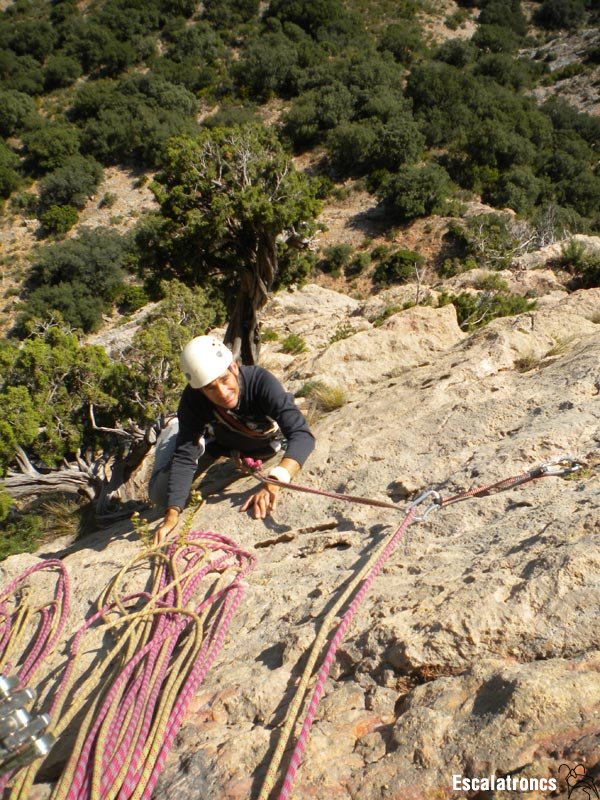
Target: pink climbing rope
{"points": [[112, 756], [52, 620], [254, 467], [330, 655]]}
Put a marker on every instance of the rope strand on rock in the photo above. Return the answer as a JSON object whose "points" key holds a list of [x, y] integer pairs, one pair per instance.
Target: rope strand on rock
{"points": [[366, 576]]}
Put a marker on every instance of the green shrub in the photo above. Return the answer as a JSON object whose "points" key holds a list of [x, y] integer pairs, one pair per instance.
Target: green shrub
{"points": [[9, 176], [61, 70], [491, 240], [16, 110], [108, 200], [555, 14], [457, 19], [22, 533], [57, 220], [343, 331], [475, 310], [388, 311], [24, 203], [269, 335], [456, 52], [80, 277], [324, 398], [397, 267], [404, 41], [132, 298], [456, 266], [491, 283], [72, 184], [415, 192], [580, 262], [50, 146], [293, 344], [75, 302], [358, 264], [496, 39], [21, 73], [335, 259]]}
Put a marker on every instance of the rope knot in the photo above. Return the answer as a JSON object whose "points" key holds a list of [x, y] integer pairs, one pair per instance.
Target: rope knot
{"points": [[251, 463]]}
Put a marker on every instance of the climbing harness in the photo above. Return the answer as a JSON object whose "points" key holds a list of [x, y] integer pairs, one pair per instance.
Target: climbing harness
{"points": [[562, 466], [23, 651]]}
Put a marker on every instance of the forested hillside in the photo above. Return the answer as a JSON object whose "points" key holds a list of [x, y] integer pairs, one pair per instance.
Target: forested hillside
{"points": [[245, 120]]}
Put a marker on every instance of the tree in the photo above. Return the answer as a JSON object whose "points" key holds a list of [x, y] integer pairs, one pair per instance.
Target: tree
{"points": [[9, 177], [61, 70], [71, 184], [555, 14], [16, 109], [58, 219], [229, 196], [74, 421], [80, 277], [416, 191], [49, 146]]}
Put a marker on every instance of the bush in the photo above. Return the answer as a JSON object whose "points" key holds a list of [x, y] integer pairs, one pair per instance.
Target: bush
{"points": [[415, 192], [76, 303], [456, 52], [324, 398], [24, 203], [80, 278], [403, 41], [495, 39], [335, 259], [21, 73], [58, 220], [398, 267], [132, 299], [61, 70], [108, 200], [293, 344], [9, 177], [50, 146], [506, 14], [72, 184], [21, 533], [132, 117], [518, 188], [359, 263], [268, 335], [580, 262], [32, 37], [490, 239], [475, 310], [555, 14], [226, 14], [16, 110]]}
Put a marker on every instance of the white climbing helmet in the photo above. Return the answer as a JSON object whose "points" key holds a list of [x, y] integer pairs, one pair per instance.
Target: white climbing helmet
{"points": [[204, 359]]}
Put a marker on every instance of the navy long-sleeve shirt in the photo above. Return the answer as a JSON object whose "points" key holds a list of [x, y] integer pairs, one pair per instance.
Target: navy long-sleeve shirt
{"points": [[262, 401]]}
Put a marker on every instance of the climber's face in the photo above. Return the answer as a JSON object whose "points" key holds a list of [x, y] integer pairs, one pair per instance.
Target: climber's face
{"points": [[224, 391]]}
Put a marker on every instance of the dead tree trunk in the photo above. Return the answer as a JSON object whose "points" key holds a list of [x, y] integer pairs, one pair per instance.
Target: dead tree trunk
{"points": [[113, 483]]}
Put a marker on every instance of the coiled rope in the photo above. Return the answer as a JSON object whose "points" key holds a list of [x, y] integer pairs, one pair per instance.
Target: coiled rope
{"points": [[166, 639], [23, 651]]}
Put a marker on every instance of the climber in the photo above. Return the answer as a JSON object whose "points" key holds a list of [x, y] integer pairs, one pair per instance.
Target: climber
{"points": [[225, 410]]}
